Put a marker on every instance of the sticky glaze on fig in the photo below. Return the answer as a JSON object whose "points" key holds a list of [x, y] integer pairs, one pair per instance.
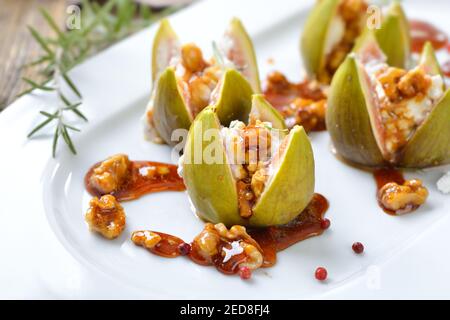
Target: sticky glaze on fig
{"points": [[137, 185], [271, 240]]}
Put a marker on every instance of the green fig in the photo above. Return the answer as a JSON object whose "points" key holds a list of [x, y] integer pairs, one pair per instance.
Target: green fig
{"points": [[394, 36], [380, 115], [238, 48], [429, 62], [262, 110], [165, 47], [334, 26], [184, 82], [271, 191]]}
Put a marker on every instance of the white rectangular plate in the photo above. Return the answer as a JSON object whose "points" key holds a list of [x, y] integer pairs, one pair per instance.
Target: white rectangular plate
{"points": [[48, 252]]}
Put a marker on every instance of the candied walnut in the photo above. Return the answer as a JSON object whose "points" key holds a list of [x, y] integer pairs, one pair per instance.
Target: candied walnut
{"points": [[111, 173], [389, 79], [259, 180], [250, 147], [399, 118], [207, 241], [277, 82], [106, 216], [200, 93], [245, 199], [198, 78], [351, 9], [403, 198], [337, 56], [217, 240], [146, 239], [192, 58], [310, 114], [255, 257], [414, 83]]}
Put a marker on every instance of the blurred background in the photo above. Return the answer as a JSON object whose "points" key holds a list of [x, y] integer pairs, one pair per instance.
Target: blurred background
{"points": [[97, 24]]}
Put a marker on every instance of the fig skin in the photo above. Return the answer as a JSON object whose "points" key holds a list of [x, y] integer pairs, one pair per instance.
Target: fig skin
{"points": [[292, 187], [166, 41], [265, 112], [347, 118], [212, 187], [351, 124], [237, 31], [429, 61], [312, 42], [430, 145], [235, 98], [170, 111], [394, 36]]}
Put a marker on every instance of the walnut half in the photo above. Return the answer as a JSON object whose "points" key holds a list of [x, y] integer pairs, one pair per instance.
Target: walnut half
{"points": [[106, 216], [213, 237], [109, 175], [403, 198]]}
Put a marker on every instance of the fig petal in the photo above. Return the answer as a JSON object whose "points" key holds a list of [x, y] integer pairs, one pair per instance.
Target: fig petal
{"points": [[394, 36], [314, 36], [428, 61], [234, 100], [210, 185], [264, 111], [165, 46], [291, 186], [169, 109], [348, 119], [244, 53], [430, 145]]}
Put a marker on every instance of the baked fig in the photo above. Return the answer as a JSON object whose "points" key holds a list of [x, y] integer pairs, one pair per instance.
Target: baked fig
{"points": [[334, 26], [184, 83], [381, 115], [251, 175]]}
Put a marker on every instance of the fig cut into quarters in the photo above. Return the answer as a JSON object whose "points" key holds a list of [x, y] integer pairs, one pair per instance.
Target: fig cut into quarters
{"points": [[184, 83], [380, 115], [252, 175], [334, 26]]}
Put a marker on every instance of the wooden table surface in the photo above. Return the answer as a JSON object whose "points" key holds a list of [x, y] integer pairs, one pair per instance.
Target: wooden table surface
{"points": [[17, 47]]}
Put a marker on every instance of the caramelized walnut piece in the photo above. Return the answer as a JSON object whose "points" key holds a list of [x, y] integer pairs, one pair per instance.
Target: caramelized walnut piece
{"points": [[214, 241], [259, 180], [414, 83], [403, 198], [352, 13], [146, 239], [389, 79], [310, 114], [400, 87], [109, 175], [255, 141], [245, 199], [199, 78], [106, 216], [277, 82], [192, 58]]}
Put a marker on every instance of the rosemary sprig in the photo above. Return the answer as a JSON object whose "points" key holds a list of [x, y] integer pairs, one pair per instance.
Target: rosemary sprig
{"points": [[101, 25]]}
